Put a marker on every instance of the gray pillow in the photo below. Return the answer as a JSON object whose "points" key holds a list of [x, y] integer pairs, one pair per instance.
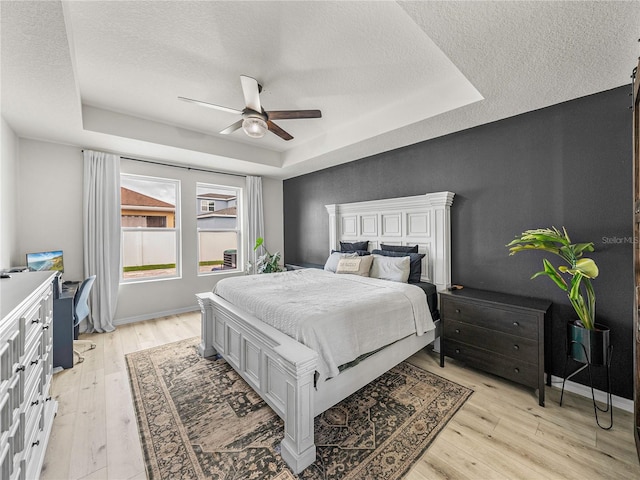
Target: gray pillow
{"points": [[395, 269], [353, 246], [332, 262], [400, 248], [415, 271]]}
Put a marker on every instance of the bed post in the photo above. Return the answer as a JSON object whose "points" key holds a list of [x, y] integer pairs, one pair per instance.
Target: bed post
{"points": [[333, 227], [206, 349], [297, 447], [441, 203]]}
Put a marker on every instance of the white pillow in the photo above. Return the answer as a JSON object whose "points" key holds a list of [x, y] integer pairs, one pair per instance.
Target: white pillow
{"points": [[331, 264], [395, 269], [359, 265]]}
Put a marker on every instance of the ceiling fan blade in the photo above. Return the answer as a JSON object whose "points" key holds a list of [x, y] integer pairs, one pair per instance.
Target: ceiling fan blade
{"points": [[211, 105], [293, 114], [251, 91], [278, 131], [232, 128]]}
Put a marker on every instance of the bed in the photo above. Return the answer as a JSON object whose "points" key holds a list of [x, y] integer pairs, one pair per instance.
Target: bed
{"points": [[290, 376]]}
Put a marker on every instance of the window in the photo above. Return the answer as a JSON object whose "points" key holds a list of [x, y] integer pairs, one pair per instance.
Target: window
{"points": [[218, 225], [150, 227], [207, 206]]}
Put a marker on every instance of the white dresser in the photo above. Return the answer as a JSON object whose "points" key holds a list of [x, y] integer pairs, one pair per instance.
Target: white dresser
{"points": [[26, 367]]}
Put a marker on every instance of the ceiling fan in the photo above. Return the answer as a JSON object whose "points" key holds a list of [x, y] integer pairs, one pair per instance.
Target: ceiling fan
{"points": [[255, 121]]}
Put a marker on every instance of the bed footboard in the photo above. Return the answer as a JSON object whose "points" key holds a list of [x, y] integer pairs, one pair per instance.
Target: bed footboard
{"points": [[277, 367]]}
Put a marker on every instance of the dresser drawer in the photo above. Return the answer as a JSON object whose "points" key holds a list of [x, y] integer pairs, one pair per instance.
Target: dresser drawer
{"points": [[507, 320], [517, 370], [520, 348]]}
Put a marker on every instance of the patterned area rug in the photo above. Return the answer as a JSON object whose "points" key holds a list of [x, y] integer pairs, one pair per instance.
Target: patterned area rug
{"points": [[198, 419]]}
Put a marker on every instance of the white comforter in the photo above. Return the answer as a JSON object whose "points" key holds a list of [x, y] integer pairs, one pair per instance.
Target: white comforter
{"points": [[339, 316]]}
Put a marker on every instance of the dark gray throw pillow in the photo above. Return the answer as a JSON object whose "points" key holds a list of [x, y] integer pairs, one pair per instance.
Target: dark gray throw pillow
{"points": [[359, 252], [415, 268], [400, 248], [354, 246]]}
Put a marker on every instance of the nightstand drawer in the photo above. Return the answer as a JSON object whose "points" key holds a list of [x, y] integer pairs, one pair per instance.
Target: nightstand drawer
{"points": [[511, 321], [519, 371], [520, 348]]}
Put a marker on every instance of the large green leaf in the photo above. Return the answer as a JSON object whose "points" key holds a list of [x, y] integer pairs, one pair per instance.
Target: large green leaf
{"points": [[552, 273]]}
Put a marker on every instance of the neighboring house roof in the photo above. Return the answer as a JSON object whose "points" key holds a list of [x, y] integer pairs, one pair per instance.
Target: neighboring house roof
{"points": [[227, 212], [215, 196], [132, 198]]}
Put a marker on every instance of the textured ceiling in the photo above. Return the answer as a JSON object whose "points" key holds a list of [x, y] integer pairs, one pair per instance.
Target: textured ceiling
{"points": [[106, 75]]}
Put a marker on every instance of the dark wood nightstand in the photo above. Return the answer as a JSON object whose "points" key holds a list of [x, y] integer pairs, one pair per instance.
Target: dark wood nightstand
{"points": [[302, 265], [499, 333]]}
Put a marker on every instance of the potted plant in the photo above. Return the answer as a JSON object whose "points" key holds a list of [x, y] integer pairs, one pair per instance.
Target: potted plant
{"points": [[588, 341], [267, 262]]}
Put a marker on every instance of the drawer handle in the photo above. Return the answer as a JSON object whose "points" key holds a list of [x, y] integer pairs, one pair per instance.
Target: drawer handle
{"points": [[457, 310], [36, 443], [457, 330], [48, 399], [45, 327], [34, 362], [516, 324], [34, 403], [517, 370], [36, 320], [516, 347], [20, 368], [457, 350]]}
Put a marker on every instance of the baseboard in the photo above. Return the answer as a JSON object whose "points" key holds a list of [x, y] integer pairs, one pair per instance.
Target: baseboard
{"points": [[585, 391], [150, 316]]}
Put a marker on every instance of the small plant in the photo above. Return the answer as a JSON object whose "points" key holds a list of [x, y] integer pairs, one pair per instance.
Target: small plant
{"points": [[267, 263], [581, 270]]}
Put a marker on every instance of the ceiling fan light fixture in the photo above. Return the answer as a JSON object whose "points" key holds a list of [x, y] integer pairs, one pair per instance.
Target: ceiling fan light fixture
{"points": [[255, 127]]}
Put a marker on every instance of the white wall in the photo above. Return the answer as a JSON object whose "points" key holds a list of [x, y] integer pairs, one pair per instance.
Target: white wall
{"points": [[49, 216], [49, 203], [8, 162]]}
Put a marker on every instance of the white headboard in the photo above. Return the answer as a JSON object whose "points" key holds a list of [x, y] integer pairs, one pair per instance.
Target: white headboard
{"points": [[422, 219]]}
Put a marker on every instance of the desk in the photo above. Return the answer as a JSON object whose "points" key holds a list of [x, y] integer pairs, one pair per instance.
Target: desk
{"points": [[63, 331]]}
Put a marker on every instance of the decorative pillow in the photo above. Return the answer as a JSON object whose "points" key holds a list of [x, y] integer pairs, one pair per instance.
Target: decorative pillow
{"points": [[400, 248], [359, 252], [353, 246], [332, 262], [395, 269], [359, 265], [415, 261]]}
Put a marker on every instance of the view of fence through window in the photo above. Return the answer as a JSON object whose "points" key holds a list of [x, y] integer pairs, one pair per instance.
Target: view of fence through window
{"points": [[150, 217], [218, 227]]}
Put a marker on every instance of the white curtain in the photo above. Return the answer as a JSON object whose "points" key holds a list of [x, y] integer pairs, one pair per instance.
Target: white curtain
{"points": [[101, 236], [256, 219]]}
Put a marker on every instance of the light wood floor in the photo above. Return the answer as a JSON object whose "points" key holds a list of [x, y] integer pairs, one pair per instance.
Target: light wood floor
{"points": [[500, 433]]}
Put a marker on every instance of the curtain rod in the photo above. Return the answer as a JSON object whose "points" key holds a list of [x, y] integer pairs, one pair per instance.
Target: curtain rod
{"points": [[182, 166]]}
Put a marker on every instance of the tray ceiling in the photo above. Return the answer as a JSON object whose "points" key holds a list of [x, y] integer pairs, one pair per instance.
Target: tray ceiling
{"points": [[106, 75]]}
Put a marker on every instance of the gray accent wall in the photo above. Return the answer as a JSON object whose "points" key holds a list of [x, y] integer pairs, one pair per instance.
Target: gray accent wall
{"points": [[566, 165]]}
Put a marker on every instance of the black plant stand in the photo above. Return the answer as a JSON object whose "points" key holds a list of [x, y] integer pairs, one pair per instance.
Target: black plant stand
{"points": [[588, 365]]}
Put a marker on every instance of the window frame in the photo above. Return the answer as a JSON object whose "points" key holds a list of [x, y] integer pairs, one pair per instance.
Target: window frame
{"points": [[177, 230]]}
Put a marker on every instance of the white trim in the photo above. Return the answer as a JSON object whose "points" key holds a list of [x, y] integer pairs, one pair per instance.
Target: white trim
{"points": [[151, 316], [585, 391]]}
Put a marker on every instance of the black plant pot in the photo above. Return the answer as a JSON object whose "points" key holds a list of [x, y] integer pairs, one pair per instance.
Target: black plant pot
{"points": [[588, 346]]}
